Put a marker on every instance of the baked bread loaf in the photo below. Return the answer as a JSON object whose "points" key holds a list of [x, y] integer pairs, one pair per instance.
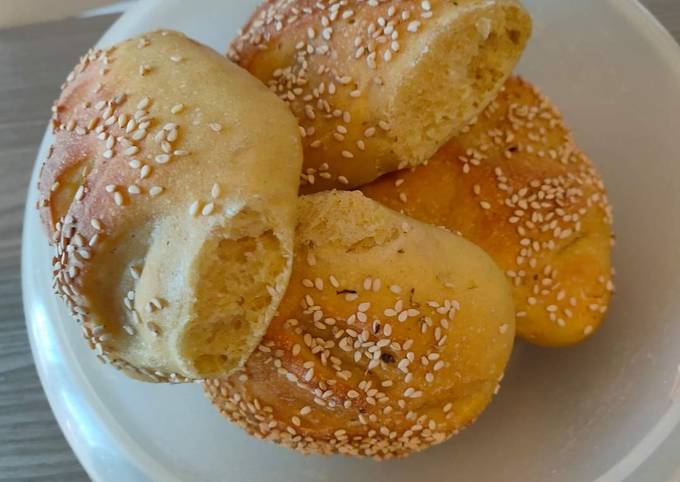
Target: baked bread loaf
{"points": [[516, 184], [173, 239], [392, 336], [378, 86]]}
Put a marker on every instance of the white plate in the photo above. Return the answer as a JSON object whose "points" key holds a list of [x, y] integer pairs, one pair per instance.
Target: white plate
{"points": [[597, 410]]}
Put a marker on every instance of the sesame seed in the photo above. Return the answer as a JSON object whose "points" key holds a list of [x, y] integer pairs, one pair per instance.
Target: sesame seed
{"points": [[145, 171], [413, 26], [208, 209], [80, 193], [139, 135], [155, 191], [194, 208], [306, 410], [144, 103], [162, 158], [215, 127], [216, 191], [403, 365]]}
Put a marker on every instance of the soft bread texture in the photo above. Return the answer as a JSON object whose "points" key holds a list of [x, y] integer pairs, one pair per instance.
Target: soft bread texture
{"points": [[379, 86], [393, 335], [516, 184], [174, 239]]}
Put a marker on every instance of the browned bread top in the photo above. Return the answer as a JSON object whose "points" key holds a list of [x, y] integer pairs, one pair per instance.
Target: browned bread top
{"points": [[516, 184], [380, 85], [161, 165], [392, 336]]}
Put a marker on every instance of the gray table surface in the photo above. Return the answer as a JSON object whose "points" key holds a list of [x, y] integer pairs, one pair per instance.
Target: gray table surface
{"points": [[33, 62]]}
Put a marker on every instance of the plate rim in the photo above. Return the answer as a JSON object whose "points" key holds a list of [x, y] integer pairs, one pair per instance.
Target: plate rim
{"points": [[136, 463]]}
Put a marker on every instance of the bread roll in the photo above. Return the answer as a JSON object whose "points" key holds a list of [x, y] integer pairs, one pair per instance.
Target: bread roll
{"points": [[517, 185], [378, 86], [173, 239], [392, 336]]}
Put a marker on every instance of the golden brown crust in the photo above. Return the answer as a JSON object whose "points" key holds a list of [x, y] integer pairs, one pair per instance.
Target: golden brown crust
{"points": [[142, 159], [392, 336], [517, 185], [351, 72]]}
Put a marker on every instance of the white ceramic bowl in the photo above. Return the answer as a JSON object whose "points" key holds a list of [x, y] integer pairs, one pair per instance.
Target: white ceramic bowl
{"points": [[594, 411]]}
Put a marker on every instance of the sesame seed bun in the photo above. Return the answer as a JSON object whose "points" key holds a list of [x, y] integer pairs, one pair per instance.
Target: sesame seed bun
{"points": [[378, 86], [173, 240], [392, 336], [516, 184]]}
